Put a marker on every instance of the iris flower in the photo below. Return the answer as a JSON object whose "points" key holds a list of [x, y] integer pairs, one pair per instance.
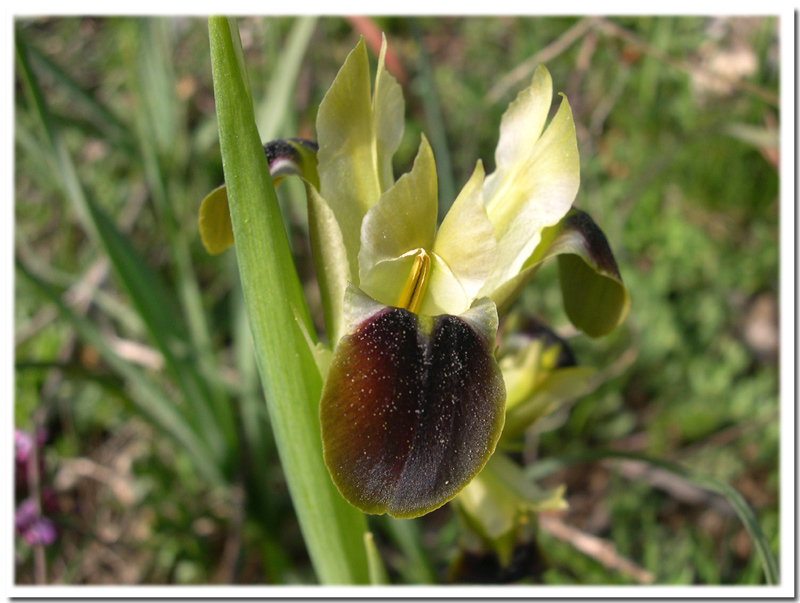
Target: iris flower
{"points": [[413, 403]]}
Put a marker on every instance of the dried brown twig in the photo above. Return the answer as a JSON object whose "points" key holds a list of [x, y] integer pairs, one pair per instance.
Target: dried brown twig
{"points": [[601, 550], [547, 53]]}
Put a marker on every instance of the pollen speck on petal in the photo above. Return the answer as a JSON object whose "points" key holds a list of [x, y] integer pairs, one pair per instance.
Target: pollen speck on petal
{"points": [[432, 421]]}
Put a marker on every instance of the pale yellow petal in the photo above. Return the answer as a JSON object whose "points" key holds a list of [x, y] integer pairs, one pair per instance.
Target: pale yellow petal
{"points": [[536, 179], [465, 240]]}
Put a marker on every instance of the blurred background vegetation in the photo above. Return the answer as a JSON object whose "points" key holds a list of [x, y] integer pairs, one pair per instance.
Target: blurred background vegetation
{"points": [[155, 461]]}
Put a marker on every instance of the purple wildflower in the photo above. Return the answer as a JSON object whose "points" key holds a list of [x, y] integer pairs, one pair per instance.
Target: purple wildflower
{"points": [[32, 526], [23, 444]]}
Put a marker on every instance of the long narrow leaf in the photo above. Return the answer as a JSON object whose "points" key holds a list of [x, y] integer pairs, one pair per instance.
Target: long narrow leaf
{"points": [[333, 530], [377, 571], [255, 426]]}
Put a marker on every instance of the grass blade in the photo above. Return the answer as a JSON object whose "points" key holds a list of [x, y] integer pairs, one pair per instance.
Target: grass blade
{"points": [[272, 115], [377, 571]]}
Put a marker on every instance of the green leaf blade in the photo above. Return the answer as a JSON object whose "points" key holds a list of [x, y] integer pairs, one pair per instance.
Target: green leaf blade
{"points": [[333, 530]]}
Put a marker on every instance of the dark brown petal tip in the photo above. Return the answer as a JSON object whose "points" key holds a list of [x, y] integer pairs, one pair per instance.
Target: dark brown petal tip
{"points": [[411, 410]]}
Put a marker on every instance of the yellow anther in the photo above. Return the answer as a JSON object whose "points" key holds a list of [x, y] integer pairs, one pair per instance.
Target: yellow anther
{"points": [[417, 282]]}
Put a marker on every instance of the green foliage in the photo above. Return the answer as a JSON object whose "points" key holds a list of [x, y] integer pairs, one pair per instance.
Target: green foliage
{"points": [[690, 210]]}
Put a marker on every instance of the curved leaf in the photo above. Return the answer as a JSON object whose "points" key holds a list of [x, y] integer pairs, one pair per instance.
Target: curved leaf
{"points": [[743, 510], [278, 318]]}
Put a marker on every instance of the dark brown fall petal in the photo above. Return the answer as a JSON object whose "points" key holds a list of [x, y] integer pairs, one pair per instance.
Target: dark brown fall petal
{"points": [[411, 410]]}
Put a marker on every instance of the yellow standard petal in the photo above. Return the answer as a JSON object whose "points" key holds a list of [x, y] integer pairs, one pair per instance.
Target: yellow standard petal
{"points": [[357, 134], [465, 240], [536, 179], [403, 221]]}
